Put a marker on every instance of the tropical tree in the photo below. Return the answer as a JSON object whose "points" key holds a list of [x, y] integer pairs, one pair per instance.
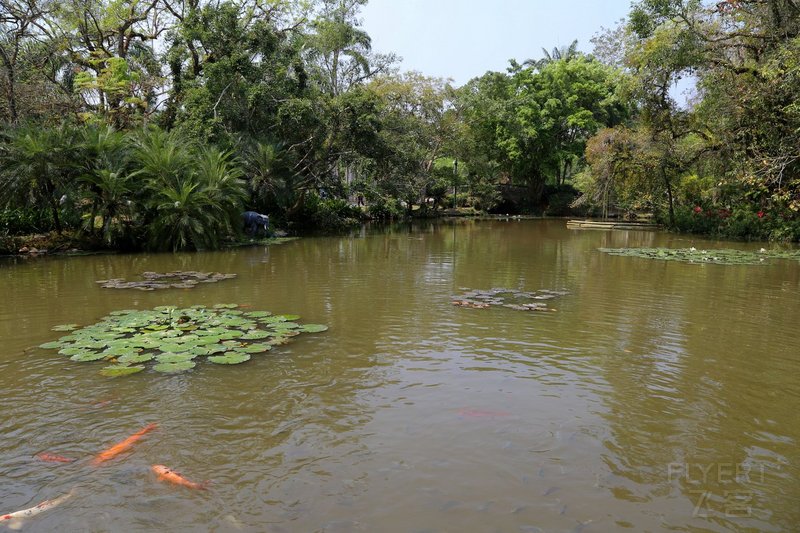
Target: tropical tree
{"points": [[192, 197], [340, 51], [35, 168], [418, 123], [531, 126], [104, 178], [564, 53]]}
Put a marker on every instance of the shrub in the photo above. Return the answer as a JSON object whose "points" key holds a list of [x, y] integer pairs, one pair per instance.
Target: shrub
{"points": [[25, 220], [380, 208]]}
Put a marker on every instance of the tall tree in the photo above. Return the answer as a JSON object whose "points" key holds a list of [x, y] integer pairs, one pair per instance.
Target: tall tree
{"points": [[535, 123]]}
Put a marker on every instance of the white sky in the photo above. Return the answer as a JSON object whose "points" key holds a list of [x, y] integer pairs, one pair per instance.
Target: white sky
{"points": [[462, 39]]}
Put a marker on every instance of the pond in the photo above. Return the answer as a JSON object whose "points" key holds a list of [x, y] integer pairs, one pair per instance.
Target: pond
{"points": [[653, 395]]}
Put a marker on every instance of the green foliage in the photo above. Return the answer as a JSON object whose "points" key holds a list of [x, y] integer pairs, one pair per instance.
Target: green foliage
{"points": [[35, 168], [24, 220], [193, 196], [534, 123], [740, 223], [270, 104], [727, 165], [329, 214], [382, 208]]}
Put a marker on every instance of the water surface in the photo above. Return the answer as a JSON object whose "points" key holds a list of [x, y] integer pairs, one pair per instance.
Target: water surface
{"points": [[658, 396]]}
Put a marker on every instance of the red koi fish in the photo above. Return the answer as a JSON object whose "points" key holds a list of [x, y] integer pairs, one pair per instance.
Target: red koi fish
{"points": [[165, 473], [45, 505], [120, 447], [52, 458]]}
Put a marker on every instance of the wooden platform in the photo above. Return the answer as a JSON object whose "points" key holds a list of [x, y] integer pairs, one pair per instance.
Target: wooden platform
{"points": [[611, 225]]}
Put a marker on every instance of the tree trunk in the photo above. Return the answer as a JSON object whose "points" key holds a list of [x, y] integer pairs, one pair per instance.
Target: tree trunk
{"points": [[11, 96], [54, 209], [668, 186]]}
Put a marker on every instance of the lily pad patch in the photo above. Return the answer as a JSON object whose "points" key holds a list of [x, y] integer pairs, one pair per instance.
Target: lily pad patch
{"points": [[166, 280], [711, 256], [501, 297], [175, 340]]}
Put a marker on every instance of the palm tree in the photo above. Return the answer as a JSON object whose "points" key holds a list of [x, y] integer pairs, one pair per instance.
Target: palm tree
{"points": [[191, 196], [342, 51], [112, 188], [269, 178], [182, 220], [565, 53], [105, 177], [36, 168], [220, 176]]}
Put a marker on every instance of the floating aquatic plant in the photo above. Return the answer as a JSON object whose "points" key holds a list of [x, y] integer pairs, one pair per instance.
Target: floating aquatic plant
{"points": [[167, 280], [175, 339], [510, 298], [261, 242], [712, 256]]}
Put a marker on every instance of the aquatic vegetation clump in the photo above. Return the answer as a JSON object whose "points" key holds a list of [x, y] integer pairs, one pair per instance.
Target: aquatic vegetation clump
{"points": [[261, 242], [716, 257], [510, 298], [174, 340], [167, 280]]}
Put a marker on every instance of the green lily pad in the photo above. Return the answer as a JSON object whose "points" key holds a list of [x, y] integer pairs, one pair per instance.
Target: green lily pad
{"points": [[175, 367], [255, 348], [121, 370], [258, 314], [313, 328], [135, 358], [230, 358], [174, 357], [255, 335], [226, 306], [173, 347], [54, 345], [217, 348], [87, 355], [231, 343]]}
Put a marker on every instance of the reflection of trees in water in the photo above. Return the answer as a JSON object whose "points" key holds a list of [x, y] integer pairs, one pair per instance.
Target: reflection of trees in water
{"points": [[695, 356]]}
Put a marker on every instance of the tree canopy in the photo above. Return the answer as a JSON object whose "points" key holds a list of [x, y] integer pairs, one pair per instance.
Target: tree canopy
{"points": [[284, 106]]}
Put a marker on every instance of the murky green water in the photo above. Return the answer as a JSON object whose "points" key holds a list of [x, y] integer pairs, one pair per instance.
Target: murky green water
{"points": [[660, 396]]}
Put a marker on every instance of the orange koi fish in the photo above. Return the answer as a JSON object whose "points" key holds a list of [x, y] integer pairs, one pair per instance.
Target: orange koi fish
{"points": [[120, 447], [53, 458], [165, 473], [45, 505]]}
